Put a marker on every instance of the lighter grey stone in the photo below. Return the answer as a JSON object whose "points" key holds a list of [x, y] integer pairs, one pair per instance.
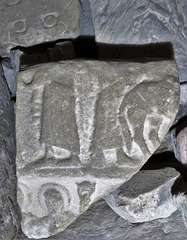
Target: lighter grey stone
{"points": [[179, 130], [143, 22], [83, 129], [180, 145], [146, 196], [180, 201], [10, 64], [26, 23]]}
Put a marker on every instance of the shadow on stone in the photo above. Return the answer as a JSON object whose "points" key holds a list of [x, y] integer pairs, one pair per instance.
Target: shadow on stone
{"points": [[85, 47]]}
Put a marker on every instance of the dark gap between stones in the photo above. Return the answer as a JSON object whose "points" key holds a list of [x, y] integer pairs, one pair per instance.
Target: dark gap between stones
{"points": [[181, 124], [87, 48], [163, 160]]}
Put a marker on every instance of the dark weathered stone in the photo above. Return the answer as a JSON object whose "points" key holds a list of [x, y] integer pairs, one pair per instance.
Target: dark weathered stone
{"points": [[84, 128], [26, 23], [143, 22], [146, 196], [179, 130], [10, 64], [100, 222], [9, 213], [87, 28]]}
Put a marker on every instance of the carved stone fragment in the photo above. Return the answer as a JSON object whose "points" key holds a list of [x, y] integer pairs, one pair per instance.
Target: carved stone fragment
{"points": [[84, 128], [146, 196], [29, 22], [143, 22]]}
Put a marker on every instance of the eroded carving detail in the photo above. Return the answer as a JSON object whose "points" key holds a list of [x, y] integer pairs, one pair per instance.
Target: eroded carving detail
{"points": [[32, 114], [19, 26], [60, 19], [86, 95], [49, 19], [85, 189], [12, 2]]}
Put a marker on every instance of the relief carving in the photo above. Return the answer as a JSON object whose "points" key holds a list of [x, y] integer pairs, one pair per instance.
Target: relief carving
{"points": [[83, 129]]}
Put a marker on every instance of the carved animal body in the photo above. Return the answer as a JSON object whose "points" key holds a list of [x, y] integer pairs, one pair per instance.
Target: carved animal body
{"points": [[83, 129]]}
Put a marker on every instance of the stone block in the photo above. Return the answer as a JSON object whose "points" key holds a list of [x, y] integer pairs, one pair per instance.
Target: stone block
{"points": [[83, 129], [26, 23], [146, 196], [143, 22]]}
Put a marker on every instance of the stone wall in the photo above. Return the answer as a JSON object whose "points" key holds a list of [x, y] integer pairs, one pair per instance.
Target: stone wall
{"points": [[94, 88]]}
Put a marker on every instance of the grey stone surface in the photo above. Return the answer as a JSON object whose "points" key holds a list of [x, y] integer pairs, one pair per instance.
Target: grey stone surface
{"points": [[166, 144], [180, 145], [100, 222], [179, 130], [83, 129], [181, 203], [143, 22], [182, 113], [26, 23], [9, 212], [10, 64], [146, 196], [86, 28]]}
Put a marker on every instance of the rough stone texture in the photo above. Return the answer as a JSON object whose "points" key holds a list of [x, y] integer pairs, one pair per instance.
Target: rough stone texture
{"points": [[180, 145], [100, 222], [183, 102], [182, 113], [166, 144], [84, 128], [9, 213], [33, 22], [10, 64], [146, 196], [143, 22], [181, 203], [87, 28], [179, 130]]}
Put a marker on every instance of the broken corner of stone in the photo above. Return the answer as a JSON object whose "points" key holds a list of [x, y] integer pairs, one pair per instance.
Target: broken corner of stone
{"points": [[84, 128]]}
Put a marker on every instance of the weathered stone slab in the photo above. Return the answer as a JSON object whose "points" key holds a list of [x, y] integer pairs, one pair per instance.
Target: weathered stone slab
{"points": [[26, 23], [143, 22], [9, 212], [83, 129], [146, 196]]}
